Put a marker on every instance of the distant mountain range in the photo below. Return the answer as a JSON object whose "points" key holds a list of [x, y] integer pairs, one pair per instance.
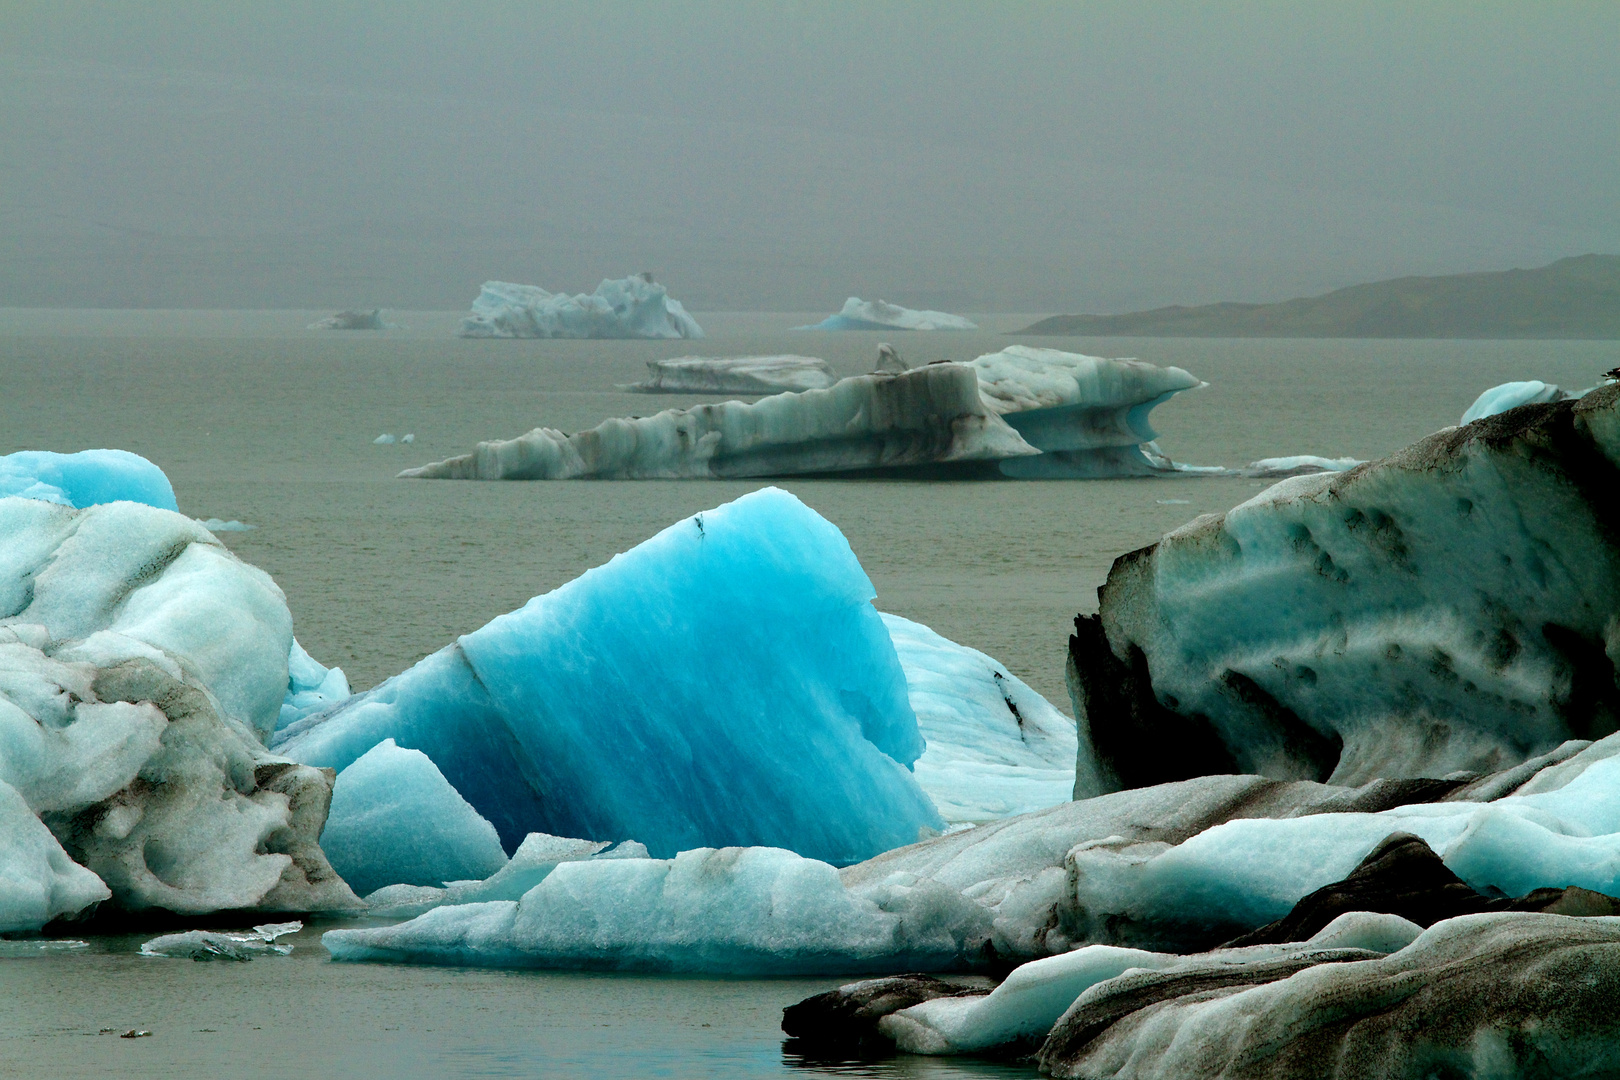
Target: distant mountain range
{"points": [[1577, 297]]}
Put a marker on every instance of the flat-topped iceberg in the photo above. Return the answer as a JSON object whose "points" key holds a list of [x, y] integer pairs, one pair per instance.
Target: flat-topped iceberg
{"points": [[928, 416], [353, 319], [725, 682], [861, 314], [86, 478], [632, 307], [734, 375]]}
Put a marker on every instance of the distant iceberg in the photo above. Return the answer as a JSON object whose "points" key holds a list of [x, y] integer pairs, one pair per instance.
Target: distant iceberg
{"points": [[354, 320], [861, 314], [726, 682], [632, 307], [87, 478], [734, 375], [927, 416]]}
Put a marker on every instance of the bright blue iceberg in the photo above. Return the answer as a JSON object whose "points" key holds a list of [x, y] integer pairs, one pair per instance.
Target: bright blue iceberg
{"points": [[726, 683], [396, 820], [1499, 399], [88, 478]]}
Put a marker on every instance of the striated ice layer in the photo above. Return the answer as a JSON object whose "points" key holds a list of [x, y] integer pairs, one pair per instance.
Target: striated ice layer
{"points": [[737, 911], [395, 819], [995, 747], [861, 314], [928, 416], [632, 307], [734, 375], [725, 682], [86, 478]]}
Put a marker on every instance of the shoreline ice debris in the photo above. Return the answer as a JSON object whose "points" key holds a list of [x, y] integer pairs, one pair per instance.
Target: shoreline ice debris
{"points": [[734, 375], [239, 945], [725, 682], [87, 478], [858, 314], [1022, 412], [140, 665], [1450, 607], [632, 307]]}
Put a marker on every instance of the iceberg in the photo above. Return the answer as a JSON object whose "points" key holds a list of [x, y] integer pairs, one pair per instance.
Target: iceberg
{"points": [[1280, 468], [311, 687], [734, 375], [87, 478], [861, 314], [395, 819], [930, 416], [140, 665], [1449, 608], [1499, 399], [38, 881], [632, 307], [727, 682], [994, 747], [354, 319], [240, 945]]}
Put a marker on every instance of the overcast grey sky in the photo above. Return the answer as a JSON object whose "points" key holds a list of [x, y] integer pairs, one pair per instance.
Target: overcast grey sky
{"points": [[1009, 156]]}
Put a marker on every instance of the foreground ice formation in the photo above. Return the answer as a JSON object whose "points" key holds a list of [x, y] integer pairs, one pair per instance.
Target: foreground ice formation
{"points": [[140, 664], [929, 416], [240, 945], [87, 478], [1021, 412], [734, 375], [354, 319], [861, 314], [726, 682], [1452, 607], [632, 307], [995, 747]]}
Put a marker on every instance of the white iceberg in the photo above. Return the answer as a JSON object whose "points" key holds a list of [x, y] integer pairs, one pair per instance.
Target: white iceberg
{"points": [[632, 307], [395, 819], [537, 856], [861, 314], [734, 375], [1281, 468], [140, 664], [995, 748], [725, 682], [224, 944], [38, 881], [930, 416], [87, 478]]}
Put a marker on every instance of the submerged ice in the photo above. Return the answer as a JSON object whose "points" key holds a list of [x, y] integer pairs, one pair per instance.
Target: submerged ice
{"points": [[632, 307]]}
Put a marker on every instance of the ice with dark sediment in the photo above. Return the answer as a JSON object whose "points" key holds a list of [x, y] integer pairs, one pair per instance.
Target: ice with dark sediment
{"points": [[858, 314], [632, 307], [734, 375]]}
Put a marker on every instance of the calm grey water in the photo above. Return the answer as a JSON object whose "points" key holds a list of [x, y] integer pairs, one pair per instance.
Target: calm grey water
{"points": [[257, 419]]}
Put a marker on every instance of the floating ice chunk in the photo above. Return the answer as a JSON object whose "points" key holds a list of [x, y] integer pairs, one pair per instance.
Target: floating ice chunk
{"points": [[384, 439], [734, 375], [238, 945], [38, 882], [736, 911], [396, 820], [219, 525], [1297, 465], [354, 320], [408, 438], [994, 746], [311, 687], [861, 314], [726, 682], [1499, 399], [86, 478], [928, 416], [632, 307], [35, 948]]}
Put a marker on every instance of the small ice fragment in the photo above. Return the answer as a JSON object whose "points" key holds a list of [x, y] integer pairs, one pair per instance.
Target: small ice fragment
{"points": [[408, 438], [384, 439], [14, 950], [218, 525], [135, 1033], [239, 945], [1173, 502]]}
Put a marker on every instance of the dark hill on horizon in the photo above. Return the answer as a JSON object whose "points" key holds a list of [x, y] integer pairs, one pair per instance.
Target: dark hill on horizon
{"points": [[1577, 297]]}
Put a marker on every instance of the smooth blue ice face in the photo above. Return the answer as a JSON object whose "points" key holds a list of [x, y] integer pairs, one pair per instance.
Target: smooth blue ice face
{"points": [[1499, 399], [726, 683], [87, 478]]}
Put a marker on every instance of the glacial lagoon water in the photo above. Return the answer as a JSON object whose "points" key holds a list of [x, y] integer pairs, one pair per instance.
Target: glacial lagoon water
{"points": [[256, 419]]}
